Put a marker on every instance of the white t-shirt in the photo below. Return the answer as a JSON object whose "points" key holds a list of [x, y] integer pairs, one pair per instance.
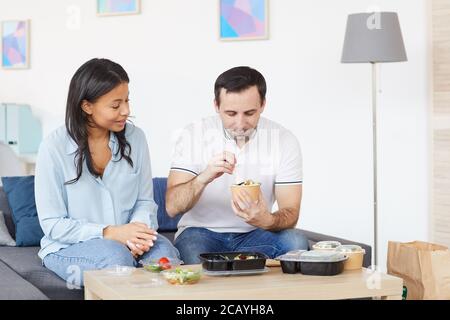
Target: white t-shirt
{"points": [[271, 157]]}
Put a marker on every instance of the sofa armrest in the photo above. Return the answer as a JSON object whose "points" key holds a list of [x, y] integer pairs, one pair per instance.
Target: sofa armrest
{"points": [[314, 237], [14, 287], [4, 206]]}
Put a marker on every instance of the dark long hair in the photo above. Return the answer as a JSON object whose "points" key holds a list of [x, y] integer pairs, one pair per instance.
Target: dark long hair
{"points": [[92, 80]]}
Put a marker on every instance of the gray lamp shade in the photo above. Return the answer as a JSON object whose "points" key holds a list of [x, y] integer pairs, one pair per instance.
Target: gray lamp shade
{"points": [[373, 37]]}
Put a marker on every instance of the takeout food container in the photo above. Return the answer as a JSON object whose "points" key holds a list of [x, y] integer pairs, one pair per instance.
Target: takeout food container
{"points": [[314, 262], [355, 256], [322, 263], [326, 245], [252, 188], [119, 270], [155, 265], [227, 261], [181, 276], [290, 261]]}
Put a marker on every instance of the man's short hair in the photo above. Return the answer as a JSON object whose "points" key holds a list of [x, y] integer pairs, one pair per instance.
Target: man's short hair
{"points": [[239, 79]]}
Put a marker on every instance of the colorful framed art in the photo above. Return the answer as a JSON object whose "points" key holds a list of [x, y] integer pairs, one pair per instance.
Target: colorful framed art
{"points": [[243, 19], [15, 43], [118, 7]]}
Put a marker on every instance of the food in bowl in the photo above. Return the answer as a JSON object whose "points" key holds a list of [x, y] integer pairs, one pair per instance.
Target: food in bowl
{"points": [[326, 245], [181, 276], [158, 265], [248, 183], [355, 256], [228, 261], [251, 187], [244, 257]]}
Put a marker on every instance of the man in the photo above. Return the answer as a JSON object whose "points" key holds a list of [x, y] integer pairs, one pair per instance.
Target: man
{"points": [[217, 152]]}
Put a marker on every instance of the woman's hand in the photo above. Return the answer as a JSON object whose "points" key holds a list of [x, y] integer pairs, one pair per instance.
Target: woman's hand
{"points": [[137, 249], [137, 236]]}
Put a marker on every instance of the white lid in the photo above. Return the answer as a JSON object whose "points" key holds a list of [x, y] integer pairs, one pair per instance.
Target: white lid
{"points": [[322, 256], [119, 270], [327, 245], [152, 261], [350, 248], [291, 255]]}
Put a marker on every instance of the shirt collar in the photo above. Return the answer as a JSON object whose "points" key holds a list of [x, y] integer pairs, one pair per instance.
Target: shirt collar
{"points": [[113, 145], [72, 147], [226, 135]]}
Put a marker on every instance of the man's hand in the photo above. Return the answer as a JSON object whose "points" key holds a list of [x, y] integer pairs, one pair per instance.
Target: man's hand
{"points": [[221, 163], [253, 212], [138, 237]]}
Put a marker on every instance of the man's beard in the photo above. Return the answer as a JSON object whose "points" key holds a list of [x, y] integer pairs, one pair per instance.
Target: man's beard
{"points": [[240, 135]]}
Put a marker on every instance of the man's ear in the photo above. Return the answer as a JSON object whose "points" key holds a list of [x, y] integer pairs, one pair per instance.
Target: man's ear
{"points": [[263, 105], [87, 107], [216, 105]]}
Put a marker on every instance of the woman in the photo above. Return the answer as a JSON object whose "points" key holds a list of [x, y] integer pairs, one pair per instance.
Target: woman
{"points": [[93, 181]]}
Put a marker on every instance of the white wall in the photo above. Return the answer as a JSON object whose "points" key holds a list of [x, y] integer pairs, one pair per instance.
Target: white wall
{"points": [[172, 54]]}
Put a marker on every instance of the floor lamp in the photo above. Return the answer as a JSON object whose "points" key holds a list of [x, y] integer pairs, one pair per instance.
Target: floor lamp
{"points": [[373, 38]]}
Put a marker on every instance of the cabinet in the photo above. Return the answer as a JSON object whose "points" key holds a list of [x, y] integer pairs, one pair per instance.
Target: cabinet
{"points": [[19, 129], [2, 123]]}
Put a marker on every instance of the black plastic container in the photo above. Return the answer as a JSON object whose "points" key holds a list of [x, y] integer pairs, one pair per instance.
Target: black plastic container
{"points": [[290, 261], [317, 263], [290, 266], [321, 268], [228, 261]]}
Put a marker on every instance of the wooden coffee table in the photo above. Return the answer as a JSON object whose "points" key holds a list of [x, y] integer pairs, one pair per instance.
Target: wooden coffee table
{"points": [[272, 285]]}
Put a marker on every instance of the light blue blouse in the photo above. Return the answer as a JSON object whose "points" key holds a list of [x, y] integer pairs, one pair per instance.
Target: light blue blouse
{"points": [[80, 211]]}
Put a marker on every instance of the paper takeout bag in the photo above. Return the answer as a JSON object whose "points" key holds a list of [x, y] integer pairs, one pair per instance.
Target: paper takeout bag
{"points": [[424, 267]]}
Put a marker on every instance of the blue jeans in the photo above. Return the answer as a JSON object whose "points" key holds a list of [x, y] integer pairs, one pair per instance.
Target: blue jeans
{"points": [[194, 241], [71, 262]]}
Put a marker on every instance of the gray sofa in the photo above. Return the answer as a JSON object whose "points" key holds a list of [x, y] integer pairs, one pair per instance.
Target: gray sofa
{"points": [[22, 275]]}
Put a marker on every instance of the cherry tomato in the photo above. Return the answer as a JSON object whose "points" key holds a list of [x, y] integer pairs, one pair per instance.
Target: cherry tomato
{"points": [[164, 263], [165, 266]]}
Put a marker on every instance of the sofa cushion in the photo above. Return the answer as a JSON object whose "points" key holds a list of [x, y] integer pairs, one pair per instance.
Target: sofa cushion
{"points": [[5, 237], [4, 206], [21, 189], [14, 287], [169, 235], [26, 263], [20, 194], [165, 222]]}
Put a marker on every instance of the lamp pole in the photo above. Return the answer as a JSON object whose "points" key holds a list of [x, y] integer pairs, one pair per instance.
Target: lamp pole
{"points": [[372, 38], [374, 127]]}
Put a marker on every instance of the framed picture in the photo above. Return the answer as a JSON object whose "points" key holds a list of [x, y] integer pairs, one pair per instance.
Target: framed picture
{"points": [[118, 7], [243, 19], [15, 44]]}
